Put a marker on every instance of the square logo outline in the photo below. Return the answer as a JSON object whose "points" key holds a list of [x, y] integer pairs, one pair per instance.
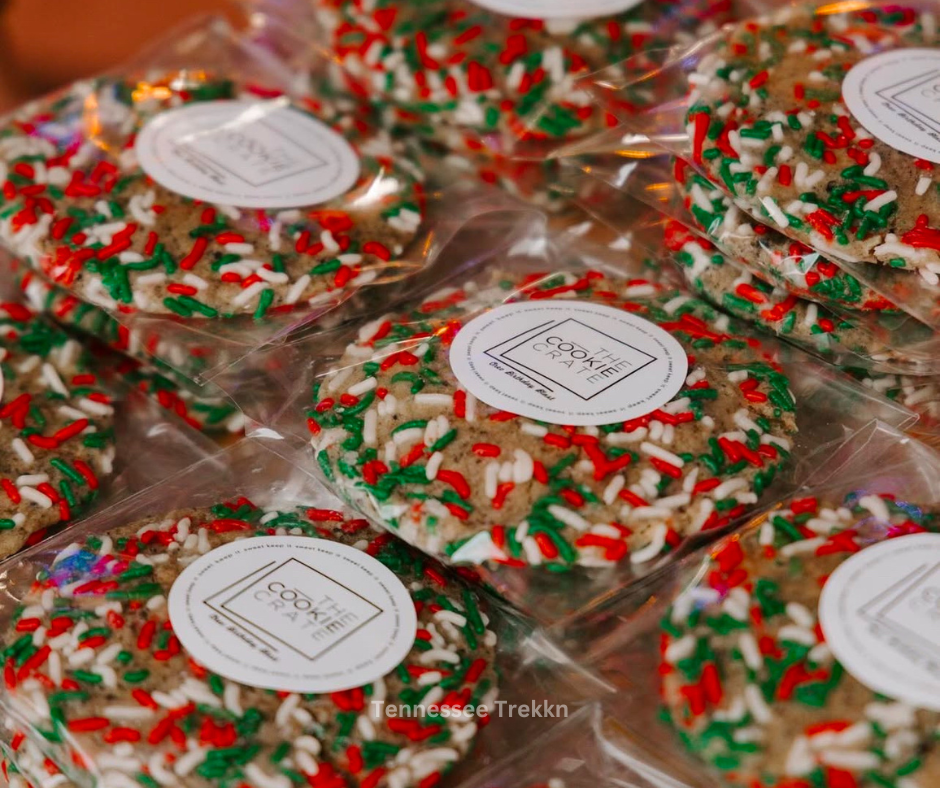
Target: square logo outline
{"points": [[318, 162], [877, 610], [229, 614], [548, 326], [894, 94]]}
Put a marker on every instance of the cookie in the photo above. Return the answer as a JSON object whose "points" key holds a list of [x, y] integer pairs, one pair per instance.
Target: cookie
{"points": [[78, 206], [397, 434], [57, 424], [768, 122], [768, 253], [747, 680], [95, 667], [445, 67], [874, 340], [206, 409]]}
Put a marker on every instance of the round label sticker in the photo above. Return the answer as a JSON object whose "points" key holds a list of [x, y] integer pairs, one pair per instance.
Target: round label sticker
{"points": [[250, 154], [568, 362], [294, 614], [558, 9], [880, 614], [896, 97]]}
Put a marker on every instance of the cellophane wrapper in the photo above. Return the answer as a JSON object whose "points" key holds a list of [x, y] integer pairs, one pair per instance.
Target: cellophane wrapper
{"points": [[294, 380], [628, 635], [672, 126], [620, 188], [200, 284], [263, 473]]}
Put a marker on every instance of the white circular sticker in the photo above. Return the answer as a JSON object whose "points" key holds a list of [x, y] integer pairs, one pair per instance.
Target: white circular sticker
{"points": [[568, 362], [896, 96], [293, 613], [880, 614], [558, 9], [250, 154]]}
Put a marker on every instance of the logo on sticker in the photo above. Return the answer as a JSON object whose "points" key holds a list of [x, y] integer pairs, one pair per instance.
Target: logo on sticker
{"points": [[292, 613], [568, 362], [919, 95], [296, 606], [880, 611], [250, 154], [905, 617], [258, 153], [895, 95], [574, 356]]}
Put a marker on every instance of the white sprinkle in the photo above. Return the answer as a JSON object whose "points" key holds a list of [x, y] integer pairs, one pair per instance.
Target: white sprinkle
{"points": [[773, 210], [875, 505], [661, 454], [881, 201], [249, 293], [568, 517], [435, 400], [32, 494], [433, 465], [362, 386], [757, 705]]}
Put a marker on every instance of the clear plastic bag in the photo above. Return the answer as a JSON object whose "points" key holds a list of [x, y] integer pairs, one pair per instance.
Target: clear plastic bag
{"points": [[123, 190], [742, 274], [479, 76], [475, 509], [816, 194], [365, 736], [70, 429], [880, 487]]}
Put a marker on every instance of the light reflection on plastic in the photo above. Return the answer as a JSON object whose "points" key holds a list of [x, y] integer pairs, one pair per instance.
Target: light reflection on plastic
{"points": [[82, 564]]}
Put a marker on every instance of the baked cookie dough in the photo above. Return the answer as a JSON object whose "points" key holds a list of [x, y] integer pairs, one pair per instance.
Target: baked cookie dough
{"points": [[94, 667], [768, 253], [208, 410], [77, 206], [747, 680], [442, 67], [56, 427], [869, 339], [768, 123], [398, 435]]}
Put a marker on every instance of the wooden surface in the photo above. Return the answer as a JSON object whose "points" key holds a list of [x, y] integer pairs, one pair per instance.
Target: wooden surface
{"points": [[47, 43]]}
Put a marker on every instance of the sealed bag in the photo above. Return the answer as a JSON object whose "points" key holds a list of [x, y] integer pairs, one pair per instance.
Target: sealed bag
{"points": [[798, 651], [786, 114], [234, 623], [482, 90], [563, 427], [208, 205], [729, 260]]}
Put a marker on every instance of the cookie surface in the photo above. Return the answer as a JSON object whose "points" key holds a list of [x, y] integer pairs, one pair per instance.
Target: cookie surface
{"points": [[56, 421], [78, 206], [120, 352], [770, 254], [445, 66], [748, 681], [873, 339], [94, 641], [398, 435], [769, 124]]}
